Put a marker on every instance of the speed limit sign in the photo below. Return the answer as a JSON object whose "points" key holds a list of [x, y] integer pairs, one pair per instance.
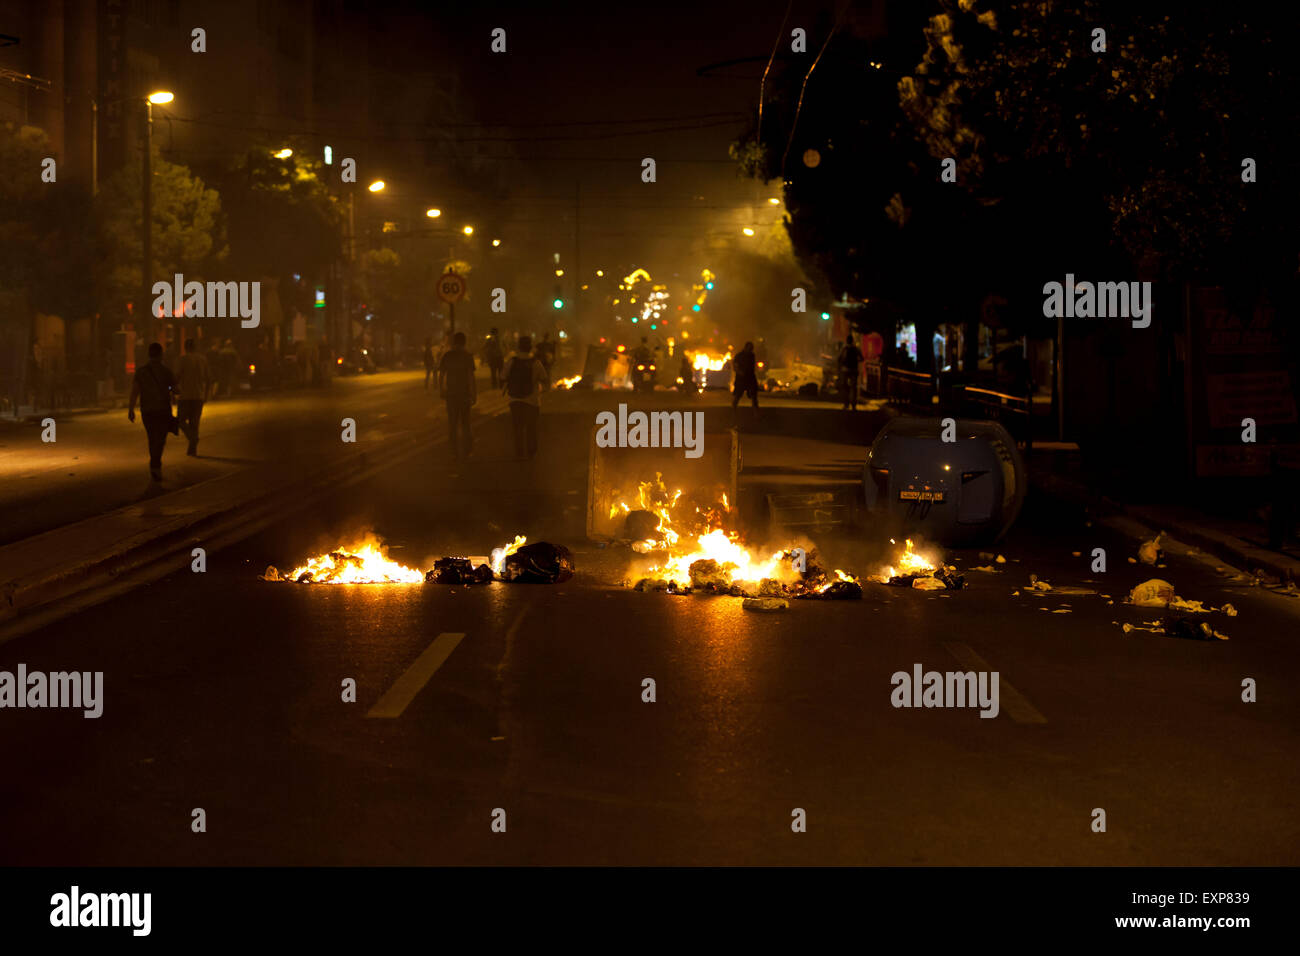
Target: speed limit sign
{"points": [[451, 287]]}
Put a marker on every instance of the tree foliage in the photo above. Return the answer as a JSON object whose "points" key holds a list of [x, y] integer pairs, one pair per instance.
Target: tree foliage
{"points": [[188, 237], [1138, 148]]}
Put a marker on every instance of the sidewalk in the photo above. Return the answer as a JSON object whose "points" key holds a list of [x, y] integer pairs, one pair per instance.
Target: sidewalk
{"points": [[1228, 540]]}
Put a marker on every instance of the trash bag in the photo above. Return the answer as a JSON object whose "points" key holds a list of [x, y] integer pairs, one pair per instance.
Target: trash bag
{"points": [[641, 526], [1192, 630], [455, 570], [539, 563], [709, 573], [654, 584], [1155, 592], [1150, 552]]}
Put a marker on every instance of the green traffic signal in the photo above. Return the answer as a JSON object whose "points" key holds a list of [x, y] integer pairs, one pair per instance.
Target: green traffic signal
{"points": [[558, 303]]}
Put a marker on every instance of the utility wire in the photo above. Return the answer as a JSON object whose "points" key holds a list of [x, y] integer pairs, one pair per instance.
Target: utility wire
{"points": [[804, 88], [780, 34]]}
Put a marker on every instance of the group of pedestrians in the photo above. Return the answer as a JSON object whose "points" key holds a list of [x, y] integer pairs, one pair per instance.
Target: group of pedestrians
{"points": [[155, 388], [521, 377]]}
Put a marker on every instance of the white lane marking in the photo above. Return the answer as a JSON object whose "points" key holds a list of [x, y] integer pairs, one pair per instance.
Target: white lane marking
{"points": [[417, 675], [1016, 704]]}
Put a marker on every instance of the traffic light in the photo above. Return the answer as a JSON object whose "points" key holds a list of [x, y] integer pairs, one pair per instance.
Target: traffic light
{"points": [[558, 301]]}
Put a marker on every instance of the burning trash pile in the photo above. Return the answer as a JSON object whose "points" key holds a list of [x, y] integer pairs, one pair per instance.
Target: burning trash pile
{"points": [[695, 549], [367, 562], [915, 570]]}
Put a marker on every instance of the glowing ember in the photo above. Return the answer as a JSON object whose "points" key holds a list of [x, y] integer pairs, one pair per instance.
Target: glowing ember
{"points": [[909, 562], [499, 555], [366, 562], [568, 382]]}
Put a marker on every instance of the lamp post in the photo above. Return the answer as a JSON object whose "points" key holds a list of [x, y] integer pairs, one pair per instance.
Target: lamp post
{"points": [[375, 187], [146, 193]]}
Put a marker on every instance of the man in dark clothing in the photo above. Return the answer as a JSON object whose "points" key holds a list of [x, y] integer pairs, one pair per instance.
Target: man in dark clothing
{"points": [[745, 369], [546, 353], [524, 377], [457, 386], [428, 362], [154, 387], [850, 366]]}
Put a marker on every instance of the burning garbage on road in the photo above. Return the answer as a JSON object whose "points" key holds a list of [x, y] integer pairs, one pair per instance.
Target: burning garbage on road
{"points": [[912, 569], [694, 545], [362, 562], [367, 562]]}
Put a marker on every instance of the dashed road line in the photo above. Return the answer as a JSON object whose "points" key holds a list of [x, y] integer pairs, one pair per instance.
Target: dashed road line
{"points": [[416, 676], [1016, 704]]}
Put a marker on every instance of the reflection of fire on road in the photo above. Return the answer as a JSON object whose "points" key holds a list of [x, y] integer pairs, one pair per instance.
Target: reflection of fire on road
{"points": [[694, 544]]}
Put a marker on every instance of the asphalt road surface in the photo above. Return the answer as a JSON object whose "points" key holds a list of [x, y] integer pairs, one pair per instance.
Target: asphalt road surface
{"points": [[100, 461], [223, 692]]}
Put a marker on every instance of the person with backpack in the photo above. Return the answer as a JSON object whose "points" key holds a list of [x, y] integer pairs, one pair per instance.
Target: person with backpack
{"points": [[850, 366], [524, 378], [154, 386], [457, 386]]}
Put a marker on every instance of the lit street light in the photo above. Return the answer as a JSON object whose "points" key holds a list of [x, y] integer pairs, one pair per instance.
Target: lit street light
{"points": [[496, 242], [376, 186], [748, 231], [433, 213], [468, 230], [146, 193]]}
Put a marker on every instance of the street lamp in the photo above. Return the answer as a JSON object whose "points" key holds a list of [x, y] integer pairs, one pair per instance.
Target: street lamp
{"points": [[747, 231], [433, 213], [468, 230], [376, 186], [496, 242], [146, 190]]}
